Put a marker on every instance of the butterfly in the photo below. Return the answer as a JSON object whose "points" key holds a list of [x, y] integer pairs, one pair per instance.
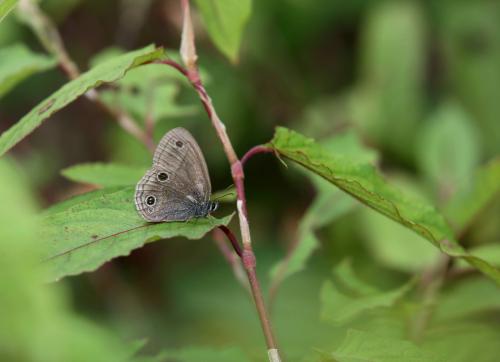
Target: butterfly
{"points": [[177, 186]]}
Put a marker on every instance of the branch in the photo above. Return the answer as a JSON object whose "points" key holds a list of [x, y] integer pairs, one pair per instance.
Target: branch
{"points": [[189, 58], [254, 151], [231, 256], [50, 38]]}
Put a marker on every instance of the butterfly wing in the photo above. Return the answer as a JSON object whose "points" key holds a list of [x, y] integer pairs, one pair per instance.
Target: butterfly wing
{"points": [[178, 184]]}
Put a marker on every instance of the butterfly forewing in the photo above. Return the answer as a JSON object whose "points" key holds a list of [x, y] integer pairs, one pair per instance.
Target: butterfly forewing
{"points": [[178, 183]]}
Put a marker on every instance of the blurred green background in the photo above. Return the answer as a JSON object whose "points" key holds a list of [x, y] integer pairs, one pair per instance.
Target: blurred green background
{"points": [[412, 86]]}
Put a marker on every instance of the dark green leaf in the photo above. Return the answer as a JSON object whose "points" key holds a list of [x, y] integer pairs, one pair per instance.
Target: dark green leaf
{"points": [[363, 182], [225, 21], [84, 232], [106, 72]]}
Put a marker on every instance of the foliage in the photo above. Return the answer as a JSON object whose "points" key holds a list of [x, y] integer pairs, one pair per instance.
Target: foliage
{"points": [[391, 180]]}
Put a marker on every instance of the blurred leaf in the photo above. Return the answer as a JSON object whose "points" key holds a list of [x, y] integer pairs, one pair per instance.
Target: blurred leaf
{"points": [[148, 92], [86, 231], [466, 298], [197, 354], [349, 297], [464, 342], [41, 325], [394, 245], [105, 174], [448, 149], [467, 202], [328, 205], [18, 63], [359, 346], [469, 37], [390, 92], [104, 73], [6, 6], [225, 21], [362, 182]]}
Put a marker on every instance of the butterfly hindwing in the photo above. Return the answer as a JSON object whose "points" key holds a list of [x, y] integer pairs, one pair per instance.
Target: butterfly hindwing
{"points": [[178, 185]]}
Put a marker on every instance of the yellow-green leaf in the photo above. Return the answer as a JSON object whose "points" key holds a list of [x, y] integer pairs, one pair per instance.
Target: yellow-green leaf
{"points": [[106, 72], [225, 21]]}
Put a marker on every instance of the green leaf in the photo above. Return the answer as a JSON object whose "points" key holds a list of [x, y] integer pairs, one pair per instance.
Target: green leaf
{"points": [[6, 6], [42, 326], [464, 342], [469, 297], [107, 72], [148, 92], [18, 63], [390, 93], [473, 197], [84, 232], [197, 354], [225, 21], [361, 181], [359, 346], [394, 245], [350, 297], [448, 148], [105, 174]]}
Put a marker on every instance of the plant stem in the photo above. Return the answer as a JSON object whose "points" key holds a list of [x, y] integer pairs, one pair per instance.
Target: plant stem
{"points": [[189, 57], [231, 256], [254, 151], [232, 239]]}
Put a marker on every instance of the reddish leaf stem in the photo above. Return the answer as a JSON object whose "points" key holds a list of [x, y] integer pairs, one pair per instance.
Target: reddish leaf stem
{"points": [[232, 239], [254, 151]]}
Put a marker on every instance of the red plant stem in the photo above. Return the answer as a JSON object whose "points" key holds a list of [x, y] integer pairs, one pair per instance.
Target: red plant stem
{"points": [[232, 239], [254, 151], [189, 58]]}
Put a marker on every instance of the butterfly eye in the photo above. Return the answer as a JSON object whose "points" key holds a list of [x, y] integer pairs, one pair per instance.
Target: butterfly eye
{"points": [[150, 200], [162, 176], [179, 144]]}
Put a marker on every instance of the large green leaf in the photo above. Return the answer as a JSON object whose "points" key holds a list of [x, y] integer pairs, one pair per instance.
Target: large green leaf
{"points": [[359, 346], [106, 72], [225, 21], [6, 6], [18, 63], [349, 297], [105, 174], [84, 232], [362, 181]]}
